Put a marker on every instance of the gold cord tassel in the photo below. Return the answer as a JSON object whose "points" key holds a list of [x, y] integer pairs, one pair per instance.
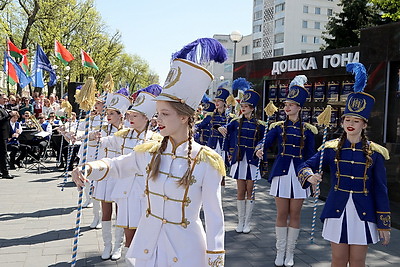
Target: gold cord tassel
{"points": [[270, 109], [231, 101], [324, 118], [108, 84], [86, 96]]}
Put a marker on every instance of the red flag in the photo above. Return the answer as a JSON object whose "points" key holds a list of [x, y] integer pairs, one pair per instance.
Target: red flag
{"points": [[87, 61], [14, 51], [62, 53], [25, 64]]}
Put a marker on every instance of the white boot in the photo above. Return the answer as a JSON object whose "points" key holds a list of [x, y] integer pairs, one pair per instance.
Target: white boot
{"points": [[96, 224], [292, 236], [241, 206], [249, 212], [88, 203], [107, 238], [119, 240], [281, 236]]}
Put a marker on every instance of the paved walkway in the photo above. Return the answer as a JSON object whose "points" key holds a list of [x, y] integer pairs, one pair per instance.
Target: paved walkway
{"points": [[37, 224]]}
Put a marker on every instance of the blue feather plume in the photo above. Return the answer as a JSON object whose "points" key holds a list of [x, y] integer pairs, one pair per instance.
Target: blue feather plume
{"points": [[224, 84], [205, 99], [153, 89], [241, 84], [123, 91], [202, 51], [360, 73]]}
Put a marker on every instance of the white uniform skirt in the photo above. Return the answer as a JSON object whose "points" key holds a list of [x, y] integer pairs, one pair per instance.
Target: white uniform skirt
{"points": [[103, 189], [133, 206], [288, 186], [220, 151], [244, 171], [349, 229]]}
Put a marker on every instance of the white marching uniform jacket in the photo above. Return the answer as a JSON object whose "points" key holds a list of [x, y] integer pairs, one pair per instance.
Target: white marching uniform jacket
{"points": [[171, 233], [104, 188], [131, 188]]}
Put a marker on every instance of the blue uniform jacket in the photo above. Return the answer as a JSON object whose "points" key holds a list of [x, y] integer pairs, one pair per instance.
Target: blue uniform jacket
{"points": [[13, 140], [212, 122], [251, 133], [201, 136], [289, 150], [352, 177]]}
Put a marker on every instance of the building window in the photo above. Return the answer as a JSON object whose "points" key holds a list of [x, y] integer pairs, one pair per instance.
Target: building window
{"points": [[305, 9], [279, 38], [258, 2], [258, 15], [278, 52], [329, 12], [316, 40], [229, 52], [257, 43], [305, 24], [304, 39], [317, 25], [279, 22], [245, 50], [257, 55], [279, 8], [228, 67], [317, 10], [257, 28]]}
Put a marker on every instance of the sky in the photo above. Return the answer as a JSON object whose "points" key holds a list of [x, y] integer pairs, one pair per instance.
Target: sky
{"points": [[155, 29]]}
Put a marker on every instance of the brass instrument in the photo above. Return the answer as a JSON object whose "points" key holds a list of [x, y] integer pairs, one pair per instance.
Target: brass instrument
{"points": [[32, 122]]}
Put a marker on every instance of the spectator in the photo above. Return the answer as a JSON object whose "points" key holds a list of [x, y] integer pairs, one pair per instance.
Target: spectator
{"points": [[25, 106]]}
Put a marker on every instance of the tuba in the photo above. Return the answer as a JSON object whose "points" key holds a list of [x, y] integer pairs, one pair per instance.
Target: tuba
{"points": [[34, 123]]}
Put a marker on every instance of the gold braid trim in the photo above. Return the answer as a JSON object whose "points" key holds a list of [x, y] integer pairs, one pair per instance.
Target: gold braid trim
{"points": [[311, 127], [215, 252], [278, 123], [218, 262], [260, 122], [331, 144], [122, 133], [150, 146], [380, 149], [208, 155]]}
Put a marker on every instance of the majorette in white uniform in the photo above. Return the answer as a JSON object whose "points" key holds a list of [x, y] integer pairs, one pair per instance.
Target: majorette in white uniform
{"points": [[172, 233]]}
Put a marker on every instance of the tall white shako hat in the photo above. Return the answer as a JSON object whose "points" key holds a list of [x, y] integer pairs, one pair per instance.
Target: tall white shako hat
{"points": [[144, 102], [119, 100], [187, 80]]}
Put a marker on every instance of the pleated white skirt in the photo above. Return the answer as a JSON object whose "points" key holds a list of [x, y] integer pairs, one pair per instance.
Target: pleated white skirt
{"points": [[243, 170]]}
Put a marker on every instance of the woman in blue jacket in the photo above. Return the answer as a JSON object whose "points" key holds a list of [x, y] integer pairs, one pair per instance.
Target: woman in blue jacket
{"points": [[295, 145], [356, 212]]}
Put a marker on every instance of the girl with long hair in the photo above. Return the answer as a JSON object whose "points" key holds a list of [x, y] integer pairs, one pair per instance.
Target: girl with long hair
{"points": [[356, 212], [295, 145], [182, 178]]}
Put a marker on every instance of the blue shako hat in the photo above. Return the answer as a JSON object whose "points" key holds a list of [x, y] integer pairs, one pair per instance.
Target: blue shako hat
{"points": [[250, 97], [359, 104], [222, 92], [297, 92], [208, 106]]}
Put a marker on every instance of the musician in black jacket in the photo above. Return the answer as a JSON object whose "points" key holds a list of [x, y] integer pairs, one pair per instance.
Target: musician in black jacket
{"points": [[4, 133]]}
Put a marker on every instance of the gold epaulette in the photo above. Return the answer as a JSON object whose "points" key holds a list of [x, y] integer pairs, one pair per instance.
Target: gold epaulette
{"points": [[150, 146], [311, 127], [331, 144], [156, 137], [122, 133], [104, 128], [210, 113], [381, 150], [232, 115], [262, 122], [208, 155], [278, 123]]}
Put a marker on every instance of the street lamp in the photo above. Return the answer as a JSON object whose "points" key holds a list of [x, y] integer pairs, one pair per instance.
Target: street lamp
{"points": [[235, 37]]}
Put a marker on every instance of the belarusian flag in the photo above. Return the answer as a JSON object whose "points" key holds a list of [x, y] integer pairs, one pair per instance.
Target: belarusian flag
{"points": [[14, 72], [62, 53], [87, 61], [25, 64], [14, 51]]}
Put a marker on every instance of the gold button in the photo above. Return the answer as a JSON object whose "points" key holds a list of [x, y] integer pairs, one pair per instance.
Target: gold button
{"points": [[354, 149], [294, 145], [165, 198], [364, 213], [146, 251], [284, 170], [351, 191], [352, 177], [352, 162], [125, 192], [175, 259], [337, 210], [173, 157], [164, 221]]}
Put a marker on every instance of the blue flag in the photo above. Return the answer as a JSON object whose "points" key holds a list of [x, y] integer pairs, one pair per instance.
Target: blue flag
{"points": [[14, 72], [40, 63]]}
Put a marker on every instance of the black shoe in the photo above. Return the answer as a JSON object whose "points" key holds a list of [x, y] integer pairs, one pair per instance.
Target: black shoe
{"points": [[19, 164], [12, 167], [7, 176]]}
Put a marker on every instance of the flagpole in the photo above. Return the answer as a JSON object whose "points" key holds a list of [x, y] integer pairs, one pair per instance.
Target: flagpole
{"points": [[8, 71]]}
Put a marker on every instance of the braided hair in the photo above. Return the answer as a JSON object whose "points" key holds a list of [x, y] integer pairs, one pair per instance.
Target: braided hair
{"points": [[185, 110]]}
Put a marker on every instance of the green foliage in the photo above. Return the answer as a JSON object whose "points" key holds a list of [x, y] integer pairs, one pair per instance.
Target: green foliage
{"points": [[390, 8], [343, 29], [77, 25]]}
